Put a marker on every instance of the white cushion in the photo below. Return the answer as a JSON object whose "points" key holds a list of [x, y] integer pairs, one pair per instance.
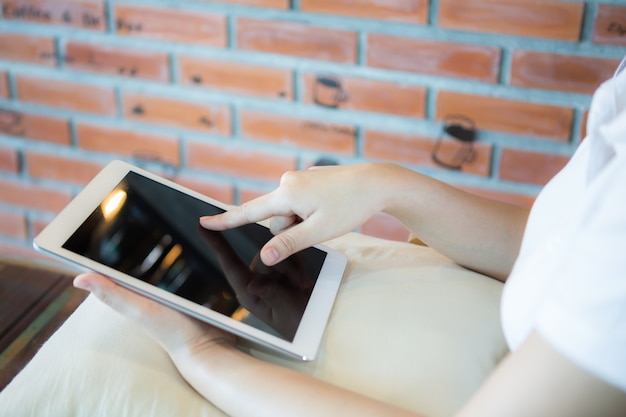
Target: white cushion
{"points": [[409, 327]]}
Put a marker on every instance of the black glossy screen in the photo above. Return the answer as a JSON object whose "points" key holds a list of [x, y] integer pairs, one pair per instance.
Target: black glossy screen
{"points": [[151, 232]]}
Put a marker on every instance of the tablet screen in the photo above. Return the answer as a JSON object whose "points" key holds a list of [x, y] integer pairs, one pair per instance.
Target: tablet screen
{"points": [[151, 232]]}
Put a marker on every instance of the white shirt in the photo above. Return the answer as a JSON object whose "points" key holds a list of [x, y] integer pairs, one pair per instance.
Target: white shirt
{"points": [[569, 281]]}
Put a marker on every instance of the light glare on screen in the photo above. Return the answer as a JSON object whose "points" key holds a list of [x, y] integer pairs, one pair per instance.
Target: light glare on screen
{"points": [[113, 204]]}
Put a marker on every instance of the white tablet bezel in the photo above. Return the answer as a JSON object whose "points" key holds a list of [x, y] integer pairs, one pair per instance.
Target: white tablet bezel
{"points": [[312, 326]]}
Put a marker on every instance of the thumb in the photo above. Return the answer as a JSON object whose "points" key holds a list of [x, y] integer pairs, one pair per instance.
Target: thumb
{"points": [[143, 311], [285, 244]]}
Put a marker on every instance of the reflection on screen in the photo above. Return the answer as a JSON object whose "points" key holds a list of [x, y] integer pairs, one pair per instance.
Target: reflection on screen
{"points": [[151, 232]]}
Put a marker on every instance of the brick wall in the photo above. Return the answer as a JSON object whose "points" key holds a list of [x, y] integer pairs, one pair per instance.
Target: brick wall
{"points": [[225, 96]]}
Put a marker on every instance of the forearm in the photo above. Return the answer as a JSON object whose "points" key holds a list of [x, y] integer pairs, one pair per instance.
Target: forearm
{"points": [[478, 233], [236, 382], [241, 385], [316, 205]]}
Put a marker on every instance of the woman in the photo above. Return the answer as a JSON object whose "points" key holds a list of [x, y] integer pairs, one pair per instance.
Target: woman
{"points": [[564, 304]]}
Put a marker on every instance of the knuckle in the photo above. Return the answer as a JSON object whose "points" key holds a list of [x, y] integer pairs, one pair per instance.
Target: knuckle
{"points": [[107, 297], [274, 229], [289, 243], [244, 212], [288, 177], [279, 224], [275, 226]]}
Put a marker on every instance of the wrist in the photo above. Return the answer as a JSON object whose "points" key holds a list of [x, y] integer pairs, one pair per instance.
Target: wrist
{"points": [[401, 191], [209, 367]]}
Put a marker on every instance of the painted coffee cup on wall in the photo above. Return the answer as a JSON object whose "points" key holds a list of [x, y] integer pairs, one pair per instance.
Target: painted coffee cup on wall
{"points": [[328, 91]]}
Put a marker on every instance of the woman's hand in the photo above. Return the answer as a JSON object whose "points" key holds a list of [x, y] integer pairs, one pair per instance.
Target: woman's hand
{"points": [[321, 203], [184, 338], [235, 382], [310, 207]]}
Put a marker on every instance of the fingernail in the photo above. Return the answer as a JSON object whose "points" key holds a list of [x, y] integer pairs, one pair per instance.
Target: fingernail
{"points": [[270, 255], [205, 221], [81, 283]]}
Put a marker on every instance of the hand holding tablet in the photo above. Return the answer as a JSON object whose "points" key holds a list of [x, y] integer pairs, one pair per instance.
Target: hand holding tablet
{"points": [[142, 231]]}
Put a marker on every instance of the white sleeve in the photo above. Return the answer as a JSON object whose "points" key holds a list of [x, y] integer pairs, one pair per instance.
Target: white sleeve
{"points": [[584, 316]]}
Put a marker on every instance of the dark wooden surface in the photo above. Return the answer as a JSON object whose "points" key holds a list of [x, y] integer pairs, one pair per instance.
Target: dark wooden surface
{"points": [[34, 302]]}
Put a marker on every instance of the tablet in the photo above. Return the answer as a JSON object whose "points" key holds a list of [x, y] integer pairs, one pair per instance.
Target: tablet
{"points": [[143, 232]]}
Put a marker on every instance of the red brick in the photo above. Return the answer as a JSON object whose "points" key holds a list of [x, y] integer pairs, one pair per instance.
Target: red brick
{"points": [[540, 19], [530, 167], [209, 118], [71, 96], [408, 11], [13, 225], [32, 126], [304, 133], [237, 78], [238, 161], [4, 85], [519, 200], [97, 138], [31, 49], [59, 168], [511, 116], [365, 95], [26, 251], [9, 161], [115, 60], [171, 25], [85, 14], [386, 227], [37, 225], [33, 196], [446, 59], [610, 25], [416, 150], [248, 194], [297, 39], [557, 72], [217, 190], [276, 4]]}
